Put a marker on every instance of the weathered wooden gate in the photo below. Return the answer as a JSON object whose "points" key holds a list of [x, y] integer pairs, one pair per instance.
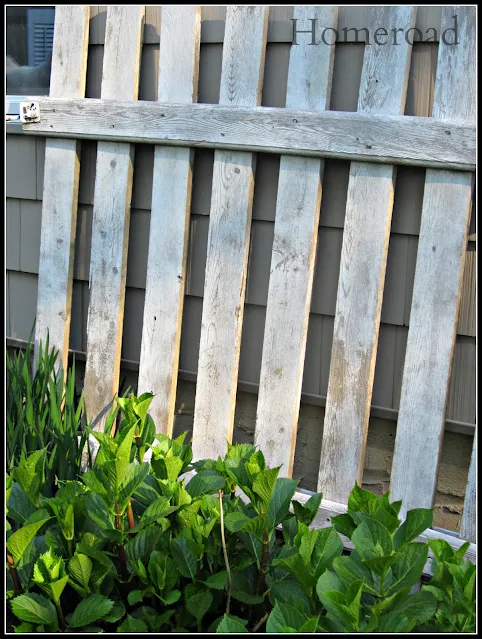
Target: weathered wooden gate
{"points": [[375, 139]]}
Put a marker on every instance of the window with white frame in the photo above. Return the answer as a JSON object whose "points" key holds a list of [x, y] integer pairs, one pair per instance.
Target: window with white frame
{"points": [[29, 41]]}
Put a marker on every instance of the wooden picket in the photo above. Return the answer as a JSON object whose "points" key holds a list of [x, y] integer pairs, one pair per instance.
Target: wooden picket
{"points": [[61, 187], [169, 228], [293, 259], [362, 274], [110, 229], [438, 276], [228, 240], [375, 139]]}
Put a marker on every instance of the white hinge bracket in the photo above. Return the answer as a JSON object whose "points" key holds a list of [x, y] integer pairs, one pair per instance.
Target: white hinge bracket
{"points": [[29, 112]]}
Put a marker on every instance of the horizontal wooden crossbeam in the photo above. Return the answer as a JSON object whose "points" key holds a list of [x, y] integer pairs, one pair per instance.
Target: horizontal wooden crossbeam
{"points": [[417, 141]]}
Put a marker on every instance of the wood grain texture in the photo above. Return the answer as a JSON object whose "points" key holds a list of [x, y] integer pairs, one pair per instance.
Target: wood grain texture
{"points": [[120, 72], [468, 526], [429, 352], [228, 240], [111, 215], [61, 187], [169, 221], [243, 56], [362, 274], [393, 139], [223, 303], [293, 259], [69, 54], [436, 292]]}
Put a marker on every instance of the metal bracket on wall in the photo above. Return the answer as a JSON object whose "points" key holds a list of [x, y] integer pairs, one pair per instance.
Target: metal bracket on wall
{"points": [[29, 112]]}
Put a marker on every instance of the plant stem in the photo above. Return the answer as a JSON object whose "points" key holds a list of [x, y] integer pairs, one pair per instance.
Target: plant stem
{"points": [[130, 516], [260, 623], [118, 526], [122, 557], [264, 563], [13, 573], [70, 547], [60, 614], [225, 552]]}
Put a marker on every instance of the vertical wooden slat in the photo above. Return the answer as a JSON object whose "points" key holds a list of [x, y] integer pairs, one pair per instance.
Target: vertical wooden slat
{"points": [[362, 272], [468, 526], [436, 290], [61, 186], [110, 229], [293, 257], [171, 199], [228, 240]]}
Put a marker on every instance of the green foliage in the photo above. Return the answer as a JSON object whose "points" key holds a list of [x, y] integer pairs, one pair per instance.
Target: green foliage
{"points": [[35, 609], [230, 624], [140, 547], [50, 575], [43, 414], [371, 589], [453, 586], [134, 414]]}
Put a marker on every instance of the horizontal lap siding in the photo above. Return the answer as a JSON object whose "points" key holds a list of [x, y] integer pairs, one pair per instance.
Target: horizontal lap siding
{"points": [[24, 191]]}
